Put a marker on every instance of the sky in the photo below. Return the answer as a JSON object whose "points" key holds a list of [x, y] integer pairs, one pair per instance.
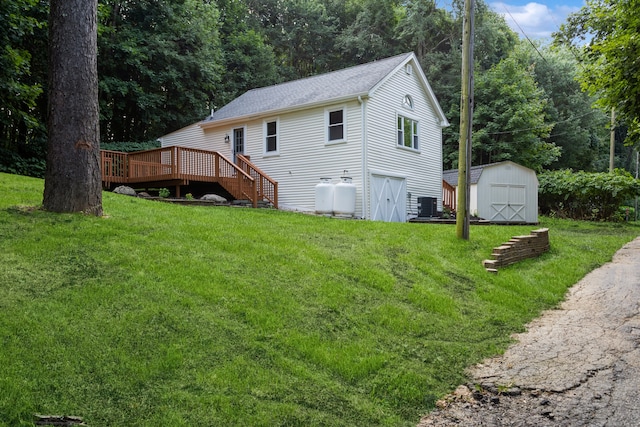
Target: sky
{"points": [[537, 19]]}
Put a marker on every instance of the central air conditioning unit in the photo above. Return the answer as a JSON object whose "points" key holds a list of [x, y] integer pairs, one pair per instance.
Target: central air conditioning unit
{"points": [[427, 207]]}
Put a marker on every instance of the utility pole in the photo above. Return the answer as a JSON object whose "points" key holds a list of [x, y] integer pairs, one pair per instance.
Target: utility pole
{"points": [[612, 140], [637, 164], [466, 121]]}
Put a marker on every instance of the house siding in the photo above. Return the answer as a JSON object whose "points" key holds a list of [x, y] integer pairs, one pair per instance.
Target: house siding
{"points": [[303, 154], [304, 157], [423, 167], [189, 136]]}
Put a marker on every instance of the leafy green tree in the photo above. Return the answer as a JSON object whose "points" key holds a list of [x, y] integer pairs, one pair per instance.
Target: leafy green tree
{"points": [[509, 117], [373, 33], [425, 29], [344, 11], [611, 69], [443, 71], [494, 40], [578, 129], [23, 44], [17, 97], [247, 61], [159, 63], [301, 33]]}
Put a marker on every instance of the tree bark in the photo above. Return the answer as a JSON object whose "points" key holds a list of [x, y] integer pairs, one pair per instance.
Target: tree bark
{"points": [[73, 181]]}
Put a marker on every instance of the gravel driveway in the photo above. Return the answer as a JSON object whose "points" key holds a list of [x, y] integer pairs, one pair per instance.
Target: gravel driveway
{"points": [[578, 365]]}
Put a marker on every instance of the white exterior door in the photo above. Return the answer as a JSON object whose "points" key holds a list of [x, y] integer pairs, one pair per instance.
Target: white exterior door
{"points": [[238, 142], [388, 198], [508, 203]]}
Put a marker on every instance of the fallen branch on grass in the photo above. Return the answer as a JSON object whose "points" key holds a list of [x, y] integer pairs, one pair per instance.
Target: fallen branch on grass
{"points": [[58, 420]]}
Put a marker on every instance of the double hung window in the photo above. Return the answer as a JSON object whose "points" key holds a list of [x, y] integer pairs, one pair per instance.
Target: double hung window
{"points": [[407, 132], [335, 126], [270, 130]]}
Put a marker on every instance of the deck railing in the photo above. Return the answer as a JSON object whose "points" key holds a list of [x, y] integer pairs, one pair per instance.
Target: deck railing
{"points": [[178, 164], [114, 167], [161, 164], [267, 187], [448, 195]]}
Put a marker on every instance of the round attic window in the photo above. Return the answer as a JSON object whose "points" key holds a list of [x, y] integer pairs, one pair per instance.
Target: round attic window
{"points": [[408, 102]]}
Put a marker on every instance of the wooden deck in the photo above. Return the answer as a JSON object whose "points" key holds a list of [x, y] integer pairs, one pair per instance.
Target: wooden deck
{"points": [[180, 166]]}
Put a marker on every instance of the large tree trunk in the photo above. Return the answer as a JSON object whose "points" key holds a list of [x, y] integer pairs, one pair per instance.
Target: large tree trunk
{"points": [[73, 180]]}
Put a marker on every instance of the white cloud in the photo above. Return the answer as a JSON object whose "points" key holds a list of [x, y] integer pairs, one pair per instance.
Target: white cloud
{"points": [[534, 19]]}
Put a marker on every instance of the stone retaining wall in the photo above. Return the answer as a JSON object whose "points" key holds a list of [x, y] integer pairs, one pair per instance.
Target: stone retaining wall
{"points": [[517, 249]]}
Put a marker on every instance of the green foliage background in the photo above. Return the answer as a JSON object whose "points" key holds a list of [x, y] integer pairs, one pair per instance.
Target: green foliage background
{"points": [[165, 64], [129, 147], [609, 68], [586, 196]]}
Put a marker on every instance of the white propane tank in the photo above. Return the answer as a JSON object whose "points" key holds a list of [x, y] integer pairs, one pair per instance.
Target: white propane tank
{"points": [[344, 197], [324, 197]]}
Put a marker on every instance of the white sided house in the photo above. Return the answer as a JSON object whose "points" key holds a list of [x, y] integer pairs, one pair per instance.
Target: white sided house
{"points": [[503, 192], [378, 123]]}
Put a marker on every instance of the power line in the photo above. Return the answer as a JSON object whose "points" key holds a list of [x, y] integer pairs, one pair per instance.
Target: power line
{"points": [[543, 126], [524, 34]]}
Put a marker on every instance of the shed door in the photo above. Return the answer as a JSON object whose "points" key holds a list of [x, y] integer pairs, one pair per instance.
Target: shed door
{"points": [[508, 203], [388, 198]]}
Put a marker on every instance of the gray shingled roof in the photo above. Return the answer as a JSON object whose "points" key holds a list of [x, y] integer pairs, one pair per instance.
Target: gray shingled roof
{"points": [[353, 81], [451, 176]]}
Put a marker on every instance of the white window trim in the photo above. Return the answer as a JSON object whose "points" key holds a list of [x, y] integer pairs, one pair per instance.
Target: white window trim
{"points": [[380, 172], [344, 125], [276, 152], [408, 68], [408, 102], [415, 119], [244, 140]]}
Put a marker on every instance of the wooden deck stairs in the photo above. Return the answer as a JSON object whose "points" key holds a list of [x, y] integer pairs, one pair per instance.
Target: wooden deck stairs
{"points": [[180, 166]]}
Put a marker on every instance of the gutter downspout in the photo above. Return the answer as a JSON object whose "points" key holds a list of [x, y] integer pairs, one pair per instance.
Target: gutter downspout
{"points": [[365, 181]]}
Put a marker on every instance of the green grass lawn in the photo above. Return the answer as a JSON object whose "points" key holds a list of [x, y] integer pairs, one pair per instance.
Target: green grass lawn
{"points": [[166, 315]]}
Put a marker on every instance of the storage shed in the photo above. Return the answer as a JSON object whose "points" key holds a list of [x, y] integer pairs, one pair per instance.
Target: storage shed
{"points": [[503, 192]]}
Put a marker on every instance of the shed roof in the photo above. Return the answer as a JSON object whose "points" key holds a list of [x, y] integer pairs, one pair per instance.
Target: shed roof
{"points": [[348, 83], [451, 176]]}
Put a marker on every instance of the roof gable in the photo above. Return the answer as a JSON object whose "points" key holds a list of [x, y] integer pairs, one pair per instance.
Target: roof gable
{"points": [[349, 83], [431, 96], [451, 176]]}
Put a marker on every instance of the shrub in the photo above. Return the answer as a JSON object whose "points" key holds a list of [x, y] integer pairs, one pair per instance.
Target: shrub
{"points": [[13, 163], [129, 147], [585, 195]]}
